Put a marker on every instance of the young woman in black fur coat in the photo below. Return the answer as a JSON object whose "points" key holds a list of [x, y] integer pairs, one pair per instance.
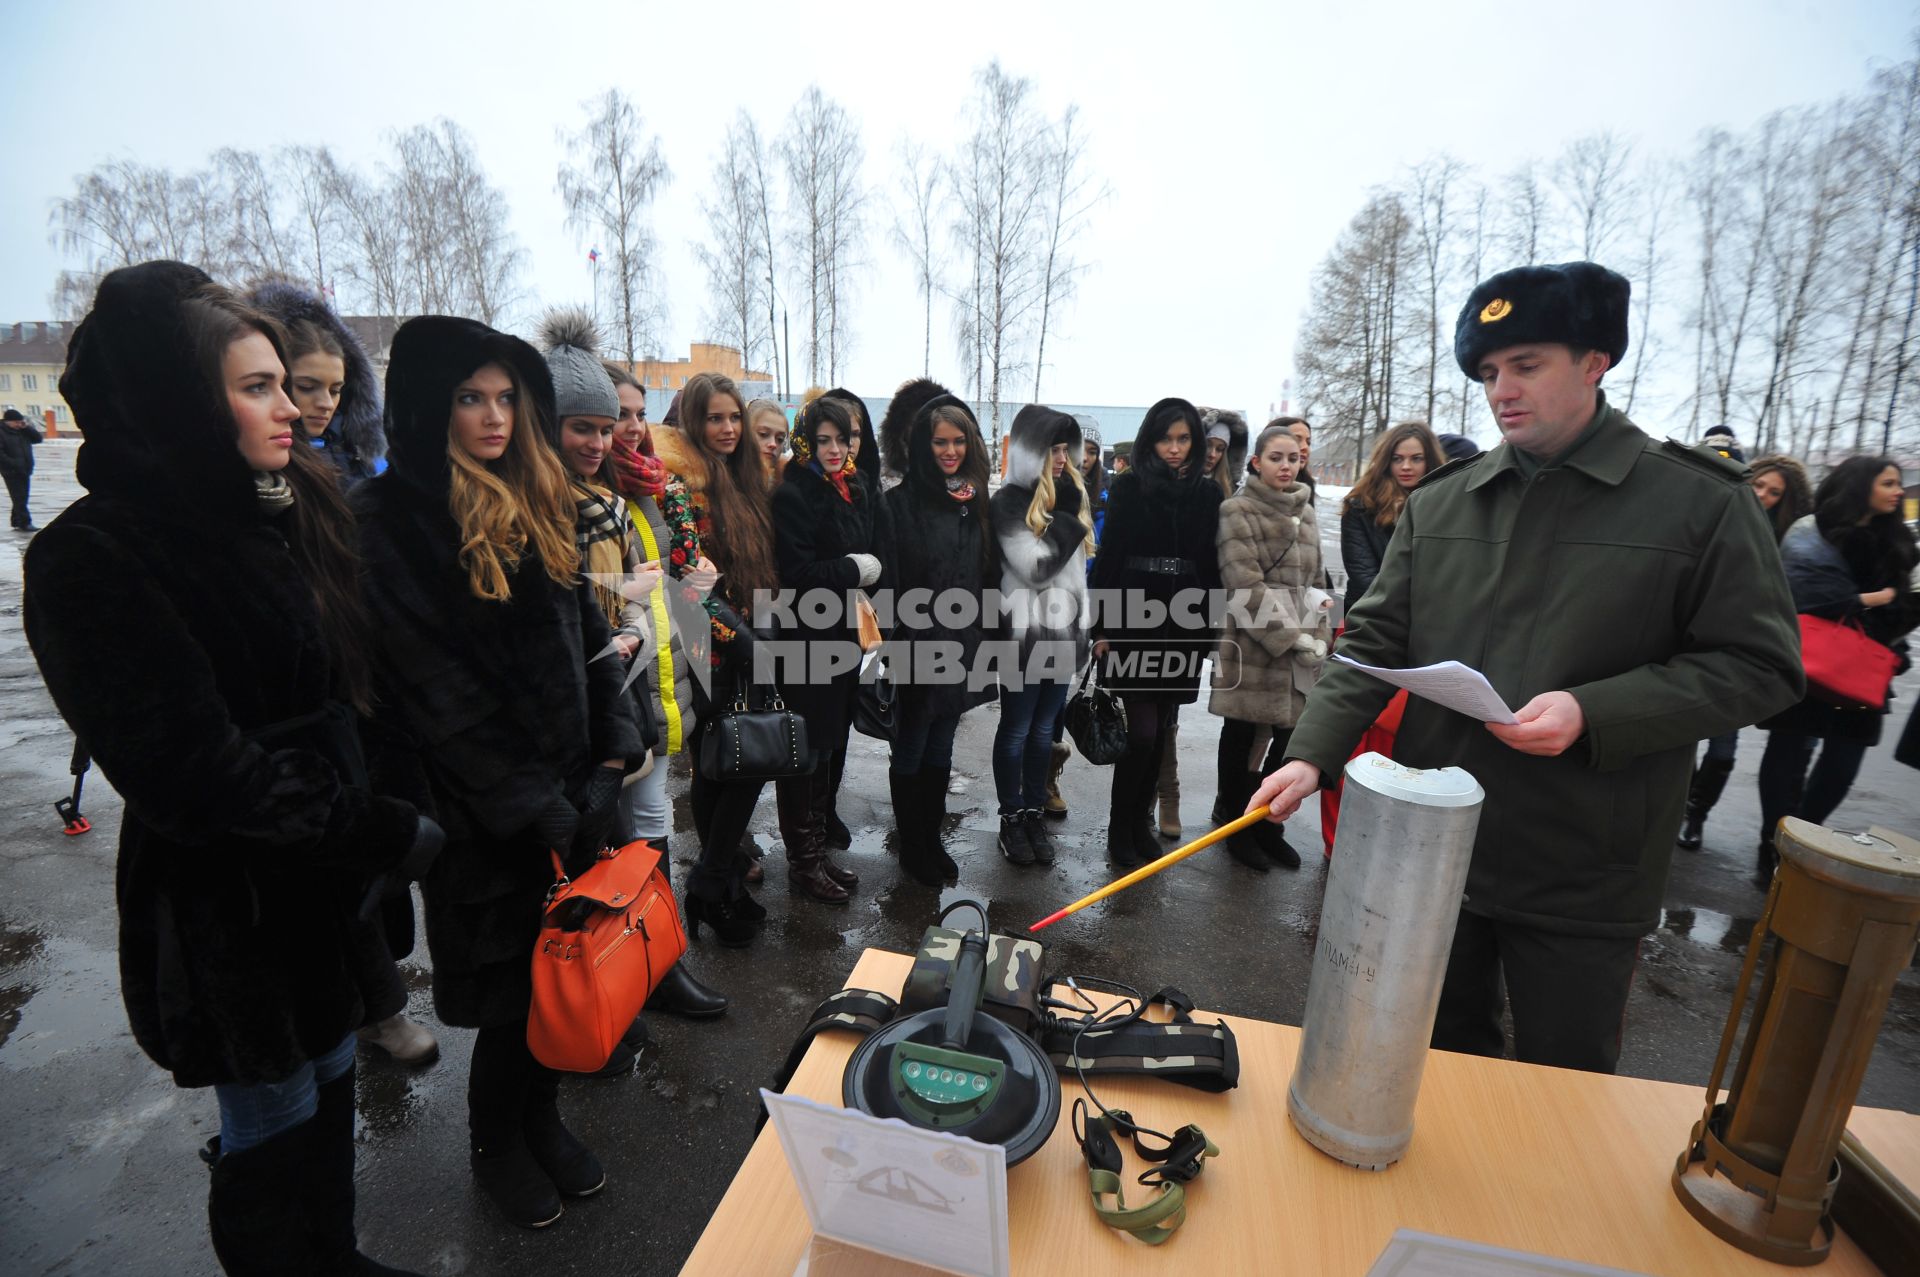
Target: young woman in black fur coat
{"points": [[1158, 554], [938, 546], [251, 837], [825, 539], [487, 642]]}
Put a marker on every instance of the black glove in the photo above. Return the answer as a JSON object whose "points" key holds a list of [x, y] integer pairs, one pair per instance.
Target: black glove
{"points": [[599, 807], [428, 839], [555, 826]]}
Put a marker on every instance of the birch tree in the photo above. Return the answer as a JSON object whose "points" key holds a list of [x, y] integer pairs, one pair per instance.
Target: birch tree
{"points": [[612, 174]]}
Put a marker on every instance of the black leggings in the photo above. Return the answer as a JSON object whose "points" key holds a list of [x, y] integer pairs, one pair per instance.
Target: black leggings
{"points": [[1237, 741], [1787, 788]]}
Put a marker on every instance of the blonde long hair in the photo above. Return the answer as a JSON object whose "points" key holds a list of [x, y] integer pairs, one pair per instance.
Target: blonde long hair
{"points": [[504, 506], [1040, 509]]}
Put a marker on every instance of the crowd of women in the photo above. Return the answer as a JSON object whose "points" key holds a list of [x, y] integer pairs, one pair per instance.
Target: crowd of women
{"points": [[429, 637]]}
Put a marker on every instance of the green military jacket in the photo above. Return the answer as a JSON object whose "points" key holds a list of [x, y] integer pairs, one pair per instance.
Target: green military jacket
{"points": [[1641, 577]]}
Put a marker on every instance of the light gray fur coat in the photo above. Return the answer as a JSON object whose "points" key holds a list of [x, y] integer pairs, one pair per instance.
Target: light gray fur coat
{"points": [[1043, 578]]}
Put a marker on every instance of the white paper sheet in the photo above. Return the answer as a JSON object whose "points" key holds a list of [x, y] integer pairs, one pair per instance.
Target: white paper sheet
{"points": [[877, 1183], [1413, 1254], [1457, 687]]}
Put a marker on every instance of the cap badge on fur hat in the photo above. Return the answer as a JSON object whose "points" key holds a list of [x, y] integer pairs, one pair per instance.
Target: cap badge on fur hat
{"points": [[1496, 310]]}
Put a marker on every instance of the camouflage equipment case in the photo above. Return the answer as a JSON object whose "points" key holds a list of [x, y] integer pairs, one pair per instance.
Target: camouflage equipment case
{"points": [[1014, 978]]}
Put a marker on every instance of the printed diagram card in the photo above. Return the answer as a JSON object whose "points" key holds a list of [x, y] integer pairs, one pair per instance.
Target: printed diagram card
{"points": [[877, 1183], [1416, 1254]]}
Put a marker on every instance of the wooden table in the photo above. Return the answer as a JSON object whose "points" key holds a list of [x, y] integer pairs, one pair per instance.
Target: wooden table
{"points": [[1537, 1159]]}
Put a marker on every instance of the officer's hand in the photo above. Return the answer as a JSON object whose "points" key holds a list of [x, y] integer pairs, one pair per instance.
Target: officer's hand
{"points": [[1284, 791], [1549, 724]]}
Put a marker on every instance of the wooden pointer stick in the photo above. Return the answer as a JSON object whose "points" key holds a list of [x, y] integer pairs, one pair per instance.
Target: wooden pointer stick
{"points": [[1227, 830]]}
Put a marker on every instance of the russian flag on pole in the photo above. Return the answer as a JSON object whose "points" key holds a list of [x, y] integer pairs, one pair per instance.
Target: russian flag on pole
{"points": [[593, 255]]}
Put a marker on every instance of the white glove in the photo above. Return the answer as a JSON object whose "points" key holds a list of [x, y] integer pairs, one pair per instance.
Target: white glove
{"points": [[1316, 648], [869, 568]]}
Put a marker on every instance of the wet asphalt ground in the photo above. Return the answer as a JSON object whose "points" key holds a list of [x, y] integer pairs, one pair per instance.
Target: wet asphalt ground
{"points": [[98, 1172]]}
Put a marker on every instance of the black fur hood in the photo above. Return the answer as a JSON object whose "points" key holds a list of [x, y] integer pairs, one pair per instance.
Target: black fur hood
{"points": [[1035, 431], [898, 421], [431, 355], [357, 420], [157, 431]]}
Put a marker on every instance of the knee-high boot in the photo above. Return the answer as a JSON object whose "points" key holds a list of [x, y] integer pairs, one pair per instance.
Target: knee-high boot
{"points": [[499, 1083]]}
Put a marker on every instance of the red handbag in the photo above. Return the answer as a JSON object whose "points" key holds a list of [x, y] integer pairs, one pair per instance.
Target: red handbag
{"points": [[607, 939], [1844, 666]]}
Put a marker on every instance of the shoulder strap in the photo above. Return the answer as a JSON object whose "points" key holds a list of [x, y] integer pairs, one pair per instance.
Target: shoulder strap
{"points": [[1202, 1056], [859, 1011]]}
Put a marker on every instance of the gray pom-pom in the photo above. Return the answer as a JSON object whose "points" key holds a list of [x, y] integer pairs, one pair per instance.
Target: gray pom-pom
{"points": [[570, 326]]}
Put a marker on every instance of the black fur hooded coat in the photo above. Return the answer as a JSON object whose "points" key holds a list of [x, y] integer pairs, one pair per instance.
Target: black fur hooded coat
{"points": [[1153, 514], [241, 864], [508, 705], [935, 543], [354, 441]]}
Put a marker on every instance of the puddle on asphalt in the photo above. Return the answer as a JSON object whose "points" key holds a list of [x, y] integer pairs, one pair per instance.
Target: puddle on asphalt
{"points": [[1708, 929], [63, 995]]}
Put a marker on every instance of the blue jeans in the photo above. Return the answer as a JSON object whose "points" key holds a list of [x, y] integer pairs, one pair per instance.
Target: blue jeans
{"points": [[253, 1113], [1023, 744], [922, 742]]}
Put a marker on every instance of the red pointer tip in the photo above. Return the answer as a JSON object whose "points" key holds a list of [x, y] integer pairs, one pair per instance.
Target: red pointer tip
{"points": [[1048, 921]]}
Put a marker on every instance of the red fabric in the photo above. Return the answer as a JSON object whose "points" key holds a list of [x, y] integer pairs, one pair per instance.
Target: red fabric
{"points": [[636, 473], [1379, 739], [839, 481]]}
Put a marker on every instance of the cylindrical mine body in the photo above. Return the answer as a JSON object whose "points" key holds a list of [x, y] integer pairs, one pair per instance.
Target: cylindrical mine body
{"points": [[1386, 929]]}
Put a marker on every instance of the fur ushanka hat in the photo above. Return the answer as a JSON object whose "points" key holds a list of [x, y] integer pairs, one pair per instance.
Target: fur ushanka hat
{"points": [[1580, 304]]}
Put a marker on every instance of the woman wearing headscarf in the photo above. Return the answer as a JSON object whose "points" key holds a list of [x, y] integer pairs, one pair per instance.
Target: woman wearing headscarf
{"points": [[498, 656], [1159, 551], [726, 481], [1043, 534], [826, 539], [1851, 560], [939, 555], [254, 842]]}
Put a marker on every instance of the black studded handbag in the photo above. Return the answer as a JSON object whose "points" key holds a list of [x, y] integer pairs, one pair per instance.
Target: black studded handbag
{"points": [[748, 743]]}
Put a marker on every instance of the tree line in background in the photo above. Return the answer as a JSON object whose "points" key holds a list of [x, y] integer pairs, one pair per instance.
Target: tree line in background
{"points": [[989, 229], [1775, 277]]}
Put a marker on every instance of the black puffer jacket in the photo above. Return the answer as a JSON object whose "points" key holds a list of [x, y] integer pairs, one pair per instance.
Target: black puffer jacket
{"points": [[509, 704], [935, 544], [1363, 547], [814, 531], [242, 864]]}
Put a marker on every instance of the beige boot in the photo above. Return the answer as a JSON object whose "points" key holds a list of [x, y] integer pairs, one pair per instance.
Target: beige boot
{"points": [[1170, 785], [1056, 807], [401, 1038]]}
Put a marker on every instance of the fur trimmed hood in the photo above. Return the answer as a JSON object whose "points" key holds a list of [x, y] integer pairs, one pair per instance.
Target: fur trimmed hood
{"points": [[432, 355], [357, 419], [897, 423], [1036, 430], [1233, 466]]}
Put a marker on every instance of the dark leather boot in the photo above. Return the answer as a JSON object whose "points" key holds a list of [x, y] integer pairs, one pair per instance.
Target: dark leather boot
{"points": [[1127, 807], [1766, 860], [805, 839], [1242, 846], [839, 837], [1014, 843], [1709, 781], [825, 786], [678, 993], [571, 1165], [1038, 836], [1056, 806]]}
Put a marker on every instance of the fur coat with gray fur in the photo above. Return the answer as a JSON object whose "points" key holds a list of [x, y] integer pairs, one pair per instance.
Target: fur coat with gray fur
{"points": [[1043, 578]]}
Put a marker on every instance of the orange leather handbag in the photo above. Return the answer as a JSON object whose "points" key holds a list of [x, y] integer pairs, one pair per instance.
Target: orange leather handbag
{"points": [[607, 939]]}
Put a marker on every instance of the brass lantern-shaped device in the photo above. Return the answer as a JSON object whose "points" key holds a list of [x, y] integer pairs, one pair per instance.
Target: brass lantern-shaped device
{"points": [[1838, 928]]}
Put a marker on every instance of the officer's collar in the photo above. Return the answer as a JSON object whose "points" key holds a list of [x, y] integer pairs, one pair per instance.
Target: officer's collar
{"points": [[1607, 455]]}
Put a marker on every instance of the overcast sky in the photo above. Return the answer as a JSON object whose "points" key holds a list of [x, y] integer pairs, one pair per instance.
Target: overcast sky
{"points": [[1237, 139]]}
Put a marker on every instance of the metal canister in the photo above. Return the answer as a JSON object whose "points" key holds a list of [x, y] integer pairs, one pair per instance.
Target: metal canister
{"points": [[1386, 930]]}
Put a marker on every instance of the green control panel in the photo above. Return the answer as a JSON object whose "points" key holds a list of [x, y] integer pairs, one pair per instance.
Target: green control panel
{"points": [[944, 1087]]}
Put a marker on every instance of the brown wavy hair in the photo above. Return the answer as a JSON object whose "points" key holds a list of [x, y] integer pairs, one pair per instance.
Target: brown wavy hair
{"points": [[522, 499], [738, 497], [1377, 492]]}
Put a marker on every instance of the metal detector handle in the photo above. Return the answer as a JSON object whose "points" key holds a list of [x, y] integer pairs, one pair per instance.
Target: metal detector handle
{"points": [[964, 991]]}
